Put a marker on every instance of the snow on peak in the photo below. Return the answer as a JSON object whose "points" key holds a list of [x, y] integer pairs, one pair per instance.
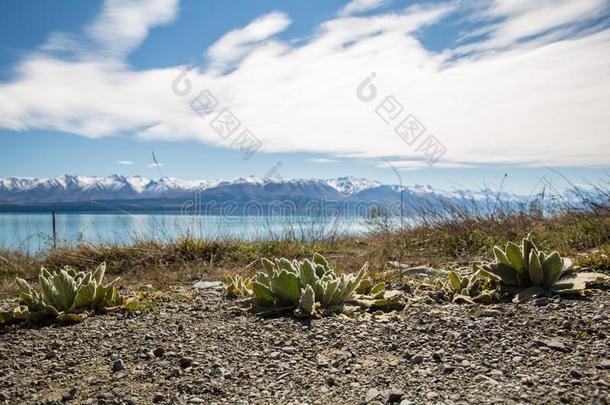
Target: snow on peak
{"points": [[351, 185]]}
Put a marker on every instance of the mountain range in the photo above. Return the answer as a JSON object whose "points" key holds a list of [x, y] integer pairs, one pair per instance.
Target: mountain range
{"points": [[111, 193]]}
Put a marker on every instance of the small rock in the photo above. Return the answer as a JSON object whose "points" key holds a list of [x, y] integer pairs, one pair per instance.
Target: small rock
{"points": [[541, 302], [330, 381], [566, 324], [517, 359], [490, 312], [483, 378], [555, 344], [159, 351], [68, 396], [118, 365], [176, 372], [438, 355], [598, 317], [3, 396], [158, 397], [321, 363], [274, 355], [185, 362], [431, 395], [289, 349], [575, 373], [605, 364], [395, 396], [215, 286], [371, 395], [446, 369], [417, 359], [424, 271]]}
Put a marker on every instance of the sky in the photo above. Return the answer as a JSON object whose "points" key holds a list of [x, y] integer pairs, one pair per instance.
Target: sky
{"points": [[447, 93]]}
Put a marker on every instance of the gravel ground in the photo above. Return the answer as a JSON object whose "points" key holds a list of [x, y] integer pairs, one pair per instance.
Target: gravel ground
{"points": [[199, 351]]}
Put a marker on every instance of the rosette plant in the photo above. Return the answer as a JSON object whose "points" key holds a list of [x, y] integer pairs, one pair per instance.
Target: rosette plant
{"points": [[306, 286], [66, 295], [534, 272]]}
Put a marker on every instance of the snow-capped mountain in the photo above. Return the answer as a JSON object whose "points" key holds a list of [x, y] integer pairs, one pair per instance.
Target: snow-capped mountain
{"points": [[136, 192], [84, 188]]}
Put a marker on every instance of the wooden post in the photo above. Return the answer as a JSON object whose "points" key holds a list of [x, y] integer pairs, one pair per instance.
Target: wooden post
{"points": [[54, 230]]}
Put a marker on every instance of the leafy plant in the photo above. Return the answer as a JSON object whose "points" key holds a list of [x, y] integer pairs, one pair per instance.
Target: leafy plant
{"points": [[473, 288], [66, 295], [237, 285], [307, 286], [528, 267]]}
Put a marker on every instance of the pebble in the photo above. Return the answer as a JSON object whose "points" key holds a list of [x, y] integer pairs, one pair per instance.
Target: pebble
{"points": [[605, 364], [70, 395], [492, 313], [371, 395], [185, 362], [395, 396], [118, 365]]}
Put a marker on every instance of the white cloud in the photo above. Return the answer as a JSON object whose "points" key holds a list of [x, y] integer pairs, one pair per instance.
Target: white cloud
{"points": [[124, 162], [515, 20], [360, 6], [322, 160], [533, 103], [155, 165], [236, 44], [124, 24]]}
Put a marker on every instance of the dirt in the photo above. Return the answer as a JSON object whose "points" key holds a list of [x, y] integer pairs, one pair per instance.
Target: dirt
{"points": [[200, 350]]}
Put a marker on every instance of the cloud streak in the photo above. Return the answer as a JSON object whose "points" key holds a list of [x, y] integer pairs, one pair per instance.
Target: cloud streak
{"points": [[532, 91]]}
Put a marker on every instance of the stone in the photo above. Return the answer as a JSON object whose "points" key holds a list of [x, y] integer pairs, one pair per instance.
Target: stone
{"points": [[541, 302], [118, 365], [395, 396], [575, 373], [371, 395], [289, 349], [555, 344], [605, 364], [214, 286], [491, 313], [159, 351], [185, 362], [70, 395]]}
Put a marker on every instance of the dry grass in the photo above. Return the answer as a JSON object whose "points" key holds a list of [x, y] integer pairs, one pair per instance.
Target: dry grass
{"points": [[436, 243]]}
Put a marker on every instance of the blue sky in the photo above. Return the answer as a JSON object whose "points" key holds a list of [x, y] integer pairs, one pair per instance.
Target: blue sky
{"points": [[503, 87]]}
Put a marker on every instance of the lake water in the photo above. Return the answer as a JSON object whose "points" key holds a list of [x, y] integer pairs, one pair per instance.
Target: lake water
{"points": [[32, 232]]}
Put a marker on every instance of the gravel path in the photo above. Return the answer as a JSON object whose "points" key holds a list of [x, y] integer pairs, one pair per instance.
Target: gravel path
{"points": [[198, 351]]}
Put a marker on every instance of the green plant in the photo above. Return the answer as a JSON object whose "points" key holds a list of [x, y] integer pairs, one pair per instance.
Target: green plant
{"points": [[305, 286], [528, 267], [236, 285], [66, 295], [473, 288]]}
